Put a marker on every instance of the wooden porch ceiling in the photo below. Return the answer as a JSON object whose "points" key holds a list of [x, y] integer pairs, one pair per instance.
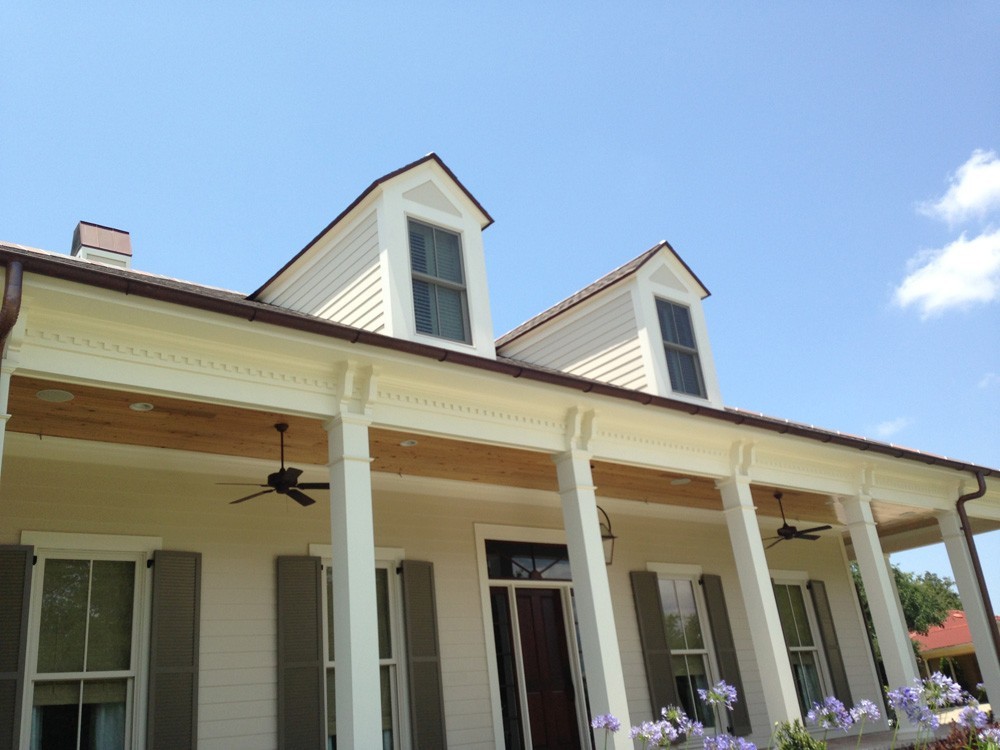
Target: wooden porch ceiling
{"points": [[105, 415]]}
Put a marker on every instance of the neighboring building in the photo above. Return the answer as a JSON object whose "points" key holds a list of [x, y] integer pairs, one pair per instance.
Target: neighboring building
{"points": [[948, 649], [435, 576]]}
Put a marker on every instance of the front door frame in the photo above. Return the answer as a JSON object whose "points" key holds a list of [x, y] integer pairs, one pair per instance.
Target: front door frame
{"points": [[543, 536]]}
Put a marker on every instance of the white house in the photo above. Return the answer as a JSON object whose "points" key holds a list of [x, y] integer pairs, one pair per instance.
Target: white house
{"points": [[432, 573]]}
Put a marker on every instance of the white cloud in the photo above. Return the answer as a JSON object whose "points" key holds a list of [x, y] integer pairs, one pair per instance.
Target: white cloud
{"points": [[963, 272], [974, 190], [989, 380], [891, 426]]}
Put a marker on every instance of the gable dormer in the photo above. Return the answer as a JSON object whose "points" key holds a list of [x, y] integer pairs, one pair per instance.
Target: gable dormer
{"points": [[642, 327], [405, 259]]}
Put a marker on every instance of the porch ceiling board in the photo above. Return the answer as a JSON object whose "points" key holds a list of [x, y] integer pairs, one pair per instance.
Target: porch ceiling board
{"points": [[104, 415]]}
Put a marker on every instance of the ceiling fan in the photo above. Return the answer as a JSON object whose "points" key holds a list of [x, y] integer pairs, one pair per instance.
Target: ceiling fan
{"points": [[285, 481], [786, 532]]}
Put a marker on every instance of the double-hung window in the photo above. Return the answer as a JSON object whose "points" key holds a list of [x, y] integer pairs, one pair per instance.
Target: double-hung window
{"points": [[801, 641], [689, 647], [680, 348], [440, 303], [388, 651]]}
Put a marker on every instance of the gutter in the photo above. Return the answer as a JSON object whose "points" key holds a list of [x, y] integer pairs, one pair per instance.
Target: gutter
{"points": [[237, 305], [970, 544], [11, 308]]}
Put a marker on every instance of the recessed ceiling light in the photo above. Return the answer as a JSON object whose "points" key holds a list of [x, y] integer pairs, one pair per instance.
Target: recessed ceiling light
{"points": [[680, 481], [141, 406], [54, 395], [408, 443]]}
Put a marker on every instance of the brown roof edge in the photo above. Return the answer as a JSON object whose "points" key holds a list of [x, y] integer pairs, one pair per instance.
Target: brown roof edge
{"points": [[368, 191], [608, 280], [234, 304]]}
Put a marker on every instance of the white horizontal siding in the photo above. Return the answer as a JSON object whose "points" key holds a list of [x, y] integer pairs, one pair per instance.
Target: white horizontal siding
{"points": [[600, 341], [342, 282]]}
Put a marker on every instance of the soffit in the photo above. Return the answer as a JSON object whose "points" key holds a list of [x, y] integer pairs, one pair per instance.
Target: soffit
{"points": [[103, 415]]}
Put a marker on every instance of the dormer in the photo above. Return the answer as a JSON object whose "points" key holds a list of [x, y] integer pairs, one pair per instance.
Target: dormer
{"points": [[405, 259], [642, 327]]}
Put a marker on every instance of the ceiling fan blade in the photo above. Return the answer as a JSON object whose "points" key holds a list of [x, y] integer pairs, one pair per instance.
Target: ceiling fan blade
{"points": [[241, 484], [251, 497], [313, 485], [776, 541], [815, 528], [810, 537], [291, 474], [300, 497]]}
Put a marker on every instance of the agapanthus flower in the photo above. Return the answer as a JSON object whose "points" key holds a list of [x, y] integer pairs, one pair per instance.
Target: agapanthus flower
{"points": [[865, 710], [830, 714], [971, 717], [675, 716], [728, 742], [940, 691], [652, 733], [990, 735], [606, 721], [720, 694], [903, 699]]}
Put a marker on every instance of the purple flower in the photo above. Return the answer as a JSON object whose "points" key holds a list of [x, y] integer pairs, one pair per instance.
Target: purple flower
{"points": [[971, 717], [720, 694], [675, 716], [728, 742], [940, 691], [903, 699], [865, 710], [990, 735], [606, 722], [654, 733], [830, 714]]}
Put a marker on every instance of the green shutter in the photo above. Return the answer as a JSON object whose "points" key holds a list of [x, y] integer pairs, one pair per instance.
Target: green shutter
{"points": [[831, 646], [423, 656], [300, 654], [172, 713], [653, 637], [15, 588], [725, 650]]}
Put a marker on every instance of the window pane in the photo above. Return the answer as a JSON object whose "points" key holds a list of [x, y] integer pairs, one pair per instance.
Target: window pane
{"points": [[64, 616], [682, 323], [424, 306], [690, 374], [382, 600], [331, 708], [385, 681], [55, 715], [690, 675], [103, 717], [329, 620], [451, 313], [667, 328], [449, 256], [109, 643], [689, 614], [781, 597], [806, 676], [420, 241], [801, 618], [672, 622]]}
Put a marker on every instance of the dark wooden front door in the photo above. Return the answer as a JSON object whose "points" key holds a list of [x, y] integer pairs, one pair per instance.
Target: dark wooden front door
{"points": [[548, 677]]}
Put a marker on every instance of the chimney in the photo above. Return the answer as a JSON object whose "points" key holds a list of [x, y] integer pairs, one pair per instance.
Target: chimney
{"points": [[106, 245]]}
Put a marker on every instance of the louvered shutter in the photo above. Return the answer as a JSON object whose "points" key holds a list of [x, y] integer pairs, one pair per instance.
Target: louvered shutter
{"points": [[15, 588], [831, 645], [300, 654], [725, 650], [653, 638], [423, 656], [172, 713]]}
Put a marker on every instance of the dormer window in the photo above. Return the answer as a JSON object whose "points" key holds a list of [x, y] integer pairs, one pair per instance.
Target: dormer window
{"points": [[440, 305], [680, 348]]}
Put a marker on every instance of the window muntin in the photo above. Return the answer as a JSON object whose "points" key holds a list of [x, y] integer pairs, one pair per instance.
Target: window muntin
{"points": [[689, 648], [389, 658], [440, 304], [83, 681], [680, 348], [533, 561], [801, 641]]}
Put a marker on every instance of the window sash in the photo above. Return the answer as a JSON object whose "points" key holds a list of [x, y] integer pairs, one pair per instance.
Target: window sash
{"points": [[680, 348], [440, 299], [801, 642]]}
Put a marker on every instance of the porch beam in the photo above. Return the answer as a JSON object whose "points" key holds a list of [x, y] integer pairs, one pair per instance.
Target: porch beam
{"points": [[355, 611], [972, 602], [883, 601], [592, 594], [759, 603]]}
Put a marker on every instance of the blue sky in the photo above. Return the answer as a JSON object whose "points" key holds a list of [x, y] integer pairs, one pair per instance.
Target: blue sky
{"points": [[829, 172]]}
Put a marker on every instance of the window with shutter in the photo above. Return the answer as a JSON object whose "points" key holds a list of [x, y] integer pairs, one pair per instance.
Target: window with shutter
{"points": [[440, 304], [680, 348], [802, 641]]}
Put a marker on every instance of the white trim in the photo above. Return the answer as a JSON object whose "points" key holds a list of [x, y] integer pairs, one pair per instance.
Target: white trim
{"points": [[57, 540], [675, 570], [382, 554], [789, 576]]}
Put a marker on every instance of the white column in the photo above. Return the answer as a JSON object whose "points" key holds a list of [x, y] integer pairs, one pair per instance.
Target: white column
{"points": [[758, 599], [355, 620], [594, 611], [972, 601], [883, 603]]}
